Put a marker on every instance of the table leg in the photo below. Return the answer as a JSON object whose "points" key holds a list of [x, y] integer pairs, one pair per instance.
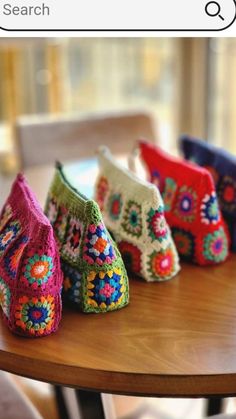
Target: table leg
{"points": [[214, 405], [78, 404]]}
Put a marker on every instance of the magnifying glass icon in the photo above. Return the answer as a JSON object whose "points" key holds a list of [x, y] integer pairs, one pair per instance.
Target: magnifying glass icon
{"points": [[213, 9]]}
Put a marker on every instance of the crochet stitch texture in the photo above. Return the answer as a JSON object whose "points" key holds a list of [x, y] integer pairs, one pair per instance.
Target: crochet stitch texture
{"points": [[191, 206], [134, 213], [222, 166], [95, 278], [30, 274]]}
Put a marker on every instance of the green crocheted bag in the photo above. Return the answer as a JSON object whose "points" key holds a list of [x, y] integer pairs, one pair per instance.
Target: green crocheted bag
{"points": [[95, 278]]}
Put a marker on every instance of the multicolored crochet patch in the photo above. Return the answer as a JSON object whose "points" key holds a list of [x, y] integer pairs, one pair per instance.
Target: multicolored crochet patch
{"points": [[227, 194], [161, 265], [215, 246], [71, 283], [9, 234], [12, 259], [98, 247], [71, 247], [186, 204], [60, 223], [132, 221], [38, 269], [5, 297], [101, 191], [185, 243], [105, 289], [169, 193], [35, 315], [157, 226], [115, 206], [6, 216], [131, 256], [210, 213]]}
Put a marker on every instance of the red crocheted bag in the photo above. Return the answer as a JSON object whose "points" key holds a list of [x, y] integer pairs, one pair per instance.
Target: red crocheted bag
{"points": [[191, 206], [30, 274]]}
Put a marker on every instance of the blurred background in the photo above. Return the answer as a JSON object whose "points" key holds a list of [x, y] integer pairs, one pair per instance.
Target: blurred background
{"points": [[187, 84]]}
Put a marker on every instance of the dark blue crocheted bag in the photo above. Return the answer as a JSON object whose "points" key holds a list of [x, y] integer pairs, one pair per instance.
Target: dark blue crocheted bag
{"points": [[222, 166]]}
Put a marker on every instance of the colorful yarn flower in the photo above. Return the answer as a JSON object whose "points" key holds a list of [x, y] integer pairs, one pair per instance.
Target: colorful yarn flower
{"points": [[157, 227], [132, 223], [105, 289], [131, 256], [98, 247], [227, 194], [71, 248], [6, 215], [38, 269], [71, 282], [9, 234], [101, 191], [169, 193], [209, 209], [162, 263], [215, 246], [186, 205], [185, 243], [35, 315], [5, 297], [13, 258], [115, 206]]}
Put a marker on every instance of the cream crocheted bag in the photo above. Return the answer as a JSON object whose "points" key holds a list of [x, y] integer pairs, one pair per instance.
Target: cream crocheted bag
{"points": [[133, 211]]}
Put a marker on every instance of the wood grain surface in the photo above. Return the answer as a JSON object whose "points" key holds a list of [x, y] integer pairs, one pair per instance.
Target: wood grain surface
{"points": [[176, 338]]}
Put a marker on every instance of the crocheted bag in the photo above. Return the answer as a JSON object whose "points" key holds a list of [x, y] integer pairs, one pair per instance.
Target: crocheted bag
{"points": [[30, 275], [95, 278], [222, 166], [133, 212], [191, 206]]}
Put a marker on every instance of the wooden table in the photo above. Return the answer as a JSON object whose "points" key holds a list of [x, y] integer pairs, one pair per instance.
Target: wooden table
{"points": [[176, 338]]}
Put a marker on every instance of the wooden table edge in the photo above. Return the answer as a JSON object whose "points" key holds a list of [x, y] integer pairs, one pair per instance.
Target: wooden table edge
{"points": [[136, 384]]}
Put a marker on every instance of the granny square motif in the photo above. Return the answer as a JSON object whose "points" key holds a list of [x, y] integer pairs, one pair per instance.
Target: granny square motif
{"points": [[30, 273], [222, 166], [191, 206], [95, 279], [134, 213]]}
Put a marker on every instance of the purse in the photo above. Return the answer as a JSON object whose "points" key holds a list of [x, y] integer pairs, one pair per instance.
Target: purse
{"points": [[191, 206], [95, 279], [30, 274], [222, 166], [133, 212]]}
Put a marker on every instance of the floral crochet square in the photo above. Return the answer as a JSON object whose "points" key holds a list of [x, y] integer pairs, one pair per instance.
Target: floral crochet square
{"points": [[98, 247], [105, 289], [132, 221]]}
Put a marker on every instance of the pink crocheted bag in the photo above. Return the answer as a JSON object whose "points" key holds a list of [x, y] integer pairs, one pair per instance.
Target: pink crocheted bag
{"points": [[30, 274]]}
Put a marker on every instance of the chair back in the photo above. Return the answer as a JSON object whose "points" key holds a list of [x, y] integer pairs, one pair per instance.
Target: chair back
{"points": [[43, 140]]}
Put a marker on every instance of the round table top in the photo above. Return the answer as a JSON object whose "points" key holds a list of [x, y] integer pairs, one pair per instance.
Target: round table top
{"points": [[176, 338]]}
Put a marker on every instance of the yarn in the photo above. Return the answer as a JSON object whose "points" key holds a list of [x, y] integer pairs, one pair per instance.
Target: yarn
{"points": [[95, 279], [30, 274], [133, 211], [191, 206], [222, 166]]}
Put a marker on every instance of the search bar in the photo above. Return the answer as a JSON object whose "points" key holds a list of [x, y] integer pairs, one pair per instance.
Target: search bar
{"points": [[122, 15]]}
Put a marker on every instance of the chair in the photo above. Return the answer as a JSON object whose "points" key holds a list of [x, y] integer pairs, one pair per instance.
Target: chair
{"points": [[43, 140], [13, 403]]}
